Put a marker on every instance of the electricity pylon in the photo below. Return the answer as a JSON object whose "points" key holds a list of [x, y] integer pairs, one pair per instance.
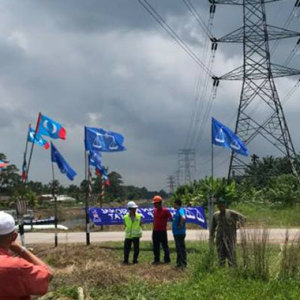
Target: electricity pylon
{"points": [[258, 73]]}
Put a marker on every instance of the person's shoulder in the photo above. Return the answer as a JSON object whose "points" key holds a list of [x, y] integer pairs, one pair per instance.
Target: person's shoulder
{"points": [[216, 214], [11, 263], [234, 212]]}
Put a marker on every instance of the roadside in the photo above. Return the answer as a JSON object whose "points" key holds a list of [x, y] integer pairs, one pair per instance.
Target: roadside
{"points": [[276, 236]]}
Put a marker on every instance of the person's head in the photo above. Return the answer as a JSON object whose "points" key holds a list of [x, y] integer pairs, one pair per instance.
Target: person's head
{"points": [[177, 203], [7, 230], [222, 204], [132, 206], [157, 201]]}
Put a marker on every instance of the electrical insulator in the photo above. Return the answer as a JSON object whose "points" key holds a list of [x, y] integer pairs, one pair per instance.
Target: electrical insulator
{"points": [[212, 9]]}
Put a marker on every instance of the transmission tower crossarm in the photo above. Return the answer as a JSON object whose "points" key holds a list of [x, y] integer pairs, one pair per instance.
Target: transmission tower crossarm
{"points": [[257, 72], [240, 2], [274, 33]]}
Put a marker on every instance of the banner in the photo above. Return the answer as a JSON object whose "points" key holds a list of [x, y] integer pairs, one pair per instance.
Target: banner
{"points": [[114, 216]]}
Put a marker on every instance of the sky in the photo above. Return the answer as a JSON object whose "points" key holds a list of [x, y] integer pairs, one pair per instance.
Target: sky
{"points": [[108, 64]]}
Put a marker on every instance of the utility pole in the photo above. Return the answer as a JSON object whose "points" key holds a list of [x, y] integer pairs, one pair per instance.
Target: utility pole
{"points": [[187, 164], [257, 74]]}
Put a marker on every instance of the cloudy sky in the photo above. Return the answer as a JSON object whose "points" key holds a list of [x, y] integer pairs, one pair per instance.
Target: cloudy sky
{"points": [[108, 64]]}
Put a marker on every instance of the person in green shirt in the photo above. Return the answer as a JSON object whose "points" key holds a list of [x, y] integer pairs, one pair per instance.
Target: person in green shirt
{"points": [[133, 232], [225, 223]]}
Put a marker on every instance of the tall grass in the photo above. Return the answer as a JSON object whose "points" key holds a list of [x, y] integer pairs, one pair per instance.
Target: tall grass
{"points": [[254, 254], [290, 257]]}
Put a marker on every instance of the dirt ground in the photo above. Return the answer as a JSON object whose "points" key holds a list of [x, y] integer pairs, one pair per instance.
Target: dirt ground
{"points": [[100, 266]]}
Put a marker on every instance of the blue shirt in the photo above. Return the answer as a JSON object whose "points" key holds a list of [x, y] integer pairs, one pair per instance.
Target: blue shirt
{"points": [[180, 212]]}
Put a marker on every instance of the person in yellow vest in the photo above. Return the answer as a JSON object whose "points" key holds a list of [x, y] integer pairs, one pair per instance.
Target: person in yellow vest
{"points": [[133, 232]]}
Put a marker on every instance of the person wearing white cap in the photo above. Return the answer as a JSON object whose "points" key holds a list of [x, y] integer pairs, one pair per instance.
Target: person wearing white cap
{"points": [[133, 232], [24, 274]]}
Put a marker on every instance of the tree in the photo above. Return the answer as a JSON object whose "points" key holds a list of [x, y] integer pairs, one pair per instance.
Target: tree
{"points": [[9, 178], [115, 190]]}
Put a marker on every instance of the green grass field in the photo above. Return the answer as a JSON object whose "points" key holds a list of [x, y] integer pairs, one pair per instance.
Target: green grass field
{"points": [[99, 271]]}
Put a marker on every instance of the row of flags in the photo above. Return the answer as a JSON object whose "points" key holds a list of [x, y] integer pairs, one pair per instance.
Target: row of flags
{"points": [[96, 140]]}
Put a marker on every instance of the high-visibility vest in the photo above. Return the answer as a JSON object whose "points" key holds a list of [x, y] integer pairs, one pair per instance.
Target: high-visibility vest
{"points": [[133, 227]]}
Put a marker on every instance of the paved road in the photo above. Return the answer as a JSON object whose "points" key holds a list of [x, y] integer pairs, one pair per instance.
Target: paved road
{"points": [[275, 236]]}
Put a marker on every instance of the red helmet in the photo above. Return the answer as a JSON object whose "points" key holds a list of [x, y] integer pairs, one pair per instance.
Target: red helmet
{"points": [[157, 199]]}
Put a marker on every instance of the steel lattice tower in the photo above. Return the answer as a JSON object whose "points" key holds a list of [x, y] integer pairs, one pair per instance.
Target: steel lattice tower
{"points": [[187, 164], [258, 73]]}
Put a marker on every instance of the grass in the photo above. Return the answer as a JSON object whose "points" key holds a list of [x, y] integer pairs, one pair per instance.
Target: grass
{"points": [[266, 215], [99, 271]]}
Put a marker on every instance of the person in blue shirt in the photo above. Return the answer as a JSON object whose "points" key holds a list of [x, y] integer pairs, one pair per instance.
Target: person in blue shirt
{"points": [[179, 230]]}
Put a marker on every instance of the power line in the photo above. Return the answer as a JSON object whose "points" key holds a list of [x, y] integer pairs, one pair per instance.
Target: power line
{"points": [[197, 120], [198, 18], [150, 9]]}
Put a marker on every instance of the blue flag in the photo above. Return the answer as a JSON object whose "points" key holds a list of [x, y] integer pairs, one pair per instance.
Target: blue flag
{"points": [[225, 137], [97, 139], [51, 128], [95, 159], [61, 163], [37, 139]]}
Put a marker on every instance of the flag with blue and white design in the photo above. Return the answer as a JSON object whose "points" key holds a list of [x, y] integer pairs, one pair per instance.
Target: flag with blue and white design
{"points": [[63, 166], [98, 139], [225, 137]]}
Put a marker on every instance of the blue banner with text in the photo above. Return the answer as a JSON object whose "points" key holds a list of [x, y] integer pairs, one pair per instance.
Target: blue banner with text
{"points": [[114, 216]]}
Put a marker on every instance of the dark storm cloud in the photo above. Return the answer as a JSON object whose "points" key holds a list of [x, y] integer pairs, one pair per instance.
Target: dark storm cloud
{"points": [[107, 63]]}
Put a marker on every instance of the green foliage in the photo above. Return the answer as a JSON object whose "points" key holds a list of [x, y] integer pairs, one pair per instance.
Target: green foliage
{"points": [[9, 179], [198, 193], [283, 189]]}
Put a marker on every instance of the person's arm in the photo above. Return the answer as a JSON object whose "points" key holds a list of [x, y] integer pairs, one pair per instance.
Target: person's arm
{"points": [[17, 249], [182, 219], [35, 273], [213, 229], [239, 218], [170, 216]]}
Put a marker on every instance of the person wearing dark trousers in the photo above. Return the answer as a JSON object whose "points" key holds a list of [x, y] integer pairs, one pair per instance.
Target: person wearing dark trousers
{"points": [[179, 231], [136, 250], [159, 234], [133, 232]]}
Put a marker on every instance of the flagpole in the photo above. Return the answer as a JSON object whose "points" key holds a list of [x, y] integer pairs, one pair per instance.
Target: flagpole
{"points": [[55, 205], [25, 155], [32, 146], [87, 217], [102, 194], [211, 200], [21, 221]]}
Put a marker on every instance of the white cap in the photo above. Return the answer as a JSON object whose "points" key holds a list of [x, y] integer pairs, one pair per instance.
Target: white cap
{"points": [[7, 223], [131, 204]]}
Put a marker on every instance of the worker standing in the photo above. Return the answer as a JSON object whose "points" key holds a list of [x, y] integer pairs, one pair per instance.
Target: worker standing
{"points": [[179, 231], [159, 234], [133, 232], [225, 223]]}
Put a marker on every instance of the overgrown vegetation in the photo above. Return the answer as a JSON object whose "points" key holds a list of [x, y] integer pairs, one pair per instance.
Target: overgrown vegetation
{"points": [[267, 181], [263, 272]]}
